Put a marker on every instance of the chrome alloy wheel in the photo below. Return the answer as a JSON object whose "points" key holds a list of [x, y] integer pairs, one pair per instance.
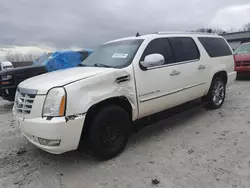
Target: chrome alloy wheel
{"points": [[218, 93]]}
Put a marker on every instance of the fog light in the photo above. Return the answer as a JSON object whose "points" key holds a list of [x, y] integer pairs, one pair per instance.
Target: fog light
{"points": [[47, 142]]}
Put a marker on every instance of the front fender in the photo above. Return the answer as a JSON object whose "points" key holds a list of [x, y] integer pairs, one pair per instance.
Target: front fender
{"points": [[83, 94]]}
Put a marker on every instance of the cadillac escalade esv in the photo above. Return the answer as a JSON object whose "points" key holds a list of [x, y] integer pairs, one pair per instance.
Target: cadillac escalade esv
{"points": [[122, 81]]}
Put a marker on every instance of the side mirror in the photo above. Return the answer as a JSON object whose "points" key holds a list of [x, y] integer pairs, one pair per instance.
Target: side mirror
{"points": [[153, 60]]}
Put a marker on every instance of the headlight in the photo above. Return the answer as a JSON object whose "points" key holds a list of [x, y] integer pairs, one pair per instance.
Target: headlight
{"points": [[6, 77], [9, 76], [55, 103]]}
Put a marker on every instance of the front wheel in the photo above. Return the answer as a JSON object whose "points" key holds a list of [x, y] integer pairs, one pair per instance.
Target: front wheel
{"points": [[216, 95], [109, 133]]}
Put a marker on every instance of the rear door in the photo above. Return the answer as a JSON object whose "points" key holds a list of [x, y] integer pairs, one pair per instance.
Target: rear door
{"points": [[191, 65]]}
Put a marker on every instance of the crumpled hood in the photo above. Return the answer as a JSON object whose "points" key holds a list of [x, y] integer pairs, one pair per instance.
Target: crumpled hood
{"points": [[44, 82]]}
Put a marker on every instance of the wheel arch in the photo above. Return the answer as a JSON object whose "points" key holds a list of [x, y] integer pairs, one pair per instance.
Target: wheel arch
{"points": [[222, 74], [120, 101]]}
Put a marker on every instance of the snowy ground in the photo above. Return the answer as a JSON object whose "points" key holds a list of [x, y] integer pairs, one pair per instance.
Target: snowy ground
{"points": [[194, 149]]}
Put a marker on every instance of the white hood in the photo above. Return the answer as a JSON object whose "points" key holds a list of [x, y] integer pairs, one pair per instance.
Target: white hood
{"points": [[44, 82]]}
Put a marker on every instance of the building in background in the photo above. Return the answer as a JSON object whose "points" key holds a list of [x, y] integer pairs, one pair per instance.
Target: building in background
{"points": [[237, 38]]}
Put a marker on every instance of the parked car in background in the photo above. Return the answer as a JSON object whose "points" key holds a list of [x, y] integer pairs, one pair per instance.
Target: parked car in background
{"points": [[242, 59], [46, 63], [5, 65], [121, 82]]}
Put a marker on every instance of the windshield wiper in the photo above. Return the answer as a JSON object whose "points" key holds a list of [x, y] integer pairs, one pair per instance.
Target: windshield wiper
{"points": [[102, 65], [82, 65]]}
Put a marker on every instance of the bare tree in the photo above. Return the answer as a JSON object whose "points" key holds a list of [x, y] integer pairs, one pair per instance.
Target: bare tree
{"points": [[19, 57], [211, 30], [246, 27]]}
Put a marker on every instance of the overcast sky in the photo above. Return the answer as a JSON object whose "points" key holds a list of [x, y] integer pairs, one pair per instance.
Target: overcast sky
{"points": [[85, 23]]}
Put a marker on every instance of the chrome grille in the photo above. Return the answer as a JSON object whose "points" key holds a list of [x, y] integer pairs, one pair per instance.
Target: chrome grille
{"points": [[24, 101]]}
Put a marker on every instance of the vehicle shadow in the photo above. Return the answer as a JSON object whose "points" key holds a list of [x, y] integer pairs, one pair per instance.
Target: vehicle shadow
{"points": [[168, 120], [145, 128], [243, 78]]}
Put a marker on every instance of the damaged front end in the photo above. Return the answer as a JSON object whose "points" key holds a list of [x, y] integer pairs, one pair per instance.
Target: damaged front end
{"points": [[73, 117], [89, 92]]}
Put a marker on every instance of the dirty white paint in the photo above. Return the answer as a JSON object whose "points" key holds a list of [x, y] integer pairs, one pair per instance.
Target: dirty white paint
{"points": [[83, 94], [197, 148]]}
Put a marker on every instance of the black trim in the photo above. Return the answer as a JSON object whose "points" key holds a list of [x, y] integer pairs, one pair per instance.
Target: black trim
{"points": [[123, 79]]}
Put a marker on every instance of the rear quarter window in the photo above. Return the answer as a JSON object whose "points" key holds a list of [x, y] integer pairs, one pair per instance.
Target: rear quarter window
{"points": [[215, 47]]}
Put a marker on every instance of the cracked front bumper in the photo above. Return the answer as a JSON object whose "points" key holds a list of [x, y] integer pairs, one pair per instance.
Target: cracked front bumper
{"points": [[69, 133]]}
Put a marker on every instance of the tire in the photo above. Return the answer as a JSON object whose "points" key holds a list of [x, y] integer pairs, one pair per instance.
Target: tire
{"points": [[12, 93], [109, 132], [216, 94]]}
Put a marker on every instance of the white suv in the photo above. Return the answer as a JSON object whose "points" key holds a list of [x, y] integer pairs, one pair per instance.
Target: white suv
{"points": [[122, 81]]}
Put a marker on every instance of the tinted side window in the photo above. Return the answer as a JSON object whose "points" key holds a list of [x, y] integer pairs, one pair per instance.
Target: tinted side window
{"points": [[159, 46], [184, 49], [215, 47]]}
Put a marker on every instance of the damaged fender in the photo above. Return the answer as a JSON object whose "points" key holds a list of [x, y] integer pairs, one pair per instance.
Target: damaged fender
{"points": [[85, 93]]}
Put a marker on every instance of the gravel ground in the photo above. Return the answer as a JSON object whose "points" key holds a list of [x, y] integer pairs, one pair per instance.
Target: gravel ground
{"points": [[196, 148]]}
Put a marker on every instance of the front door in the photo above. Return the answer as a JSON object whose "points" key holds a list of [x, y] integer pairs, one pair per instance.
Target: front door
{"points": [[171, 84]]}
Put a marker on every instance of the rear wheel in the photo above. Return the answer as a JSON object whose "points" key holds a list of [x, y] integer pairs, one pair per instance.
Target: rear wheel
{"points": [[216, 95], [109, 132]]}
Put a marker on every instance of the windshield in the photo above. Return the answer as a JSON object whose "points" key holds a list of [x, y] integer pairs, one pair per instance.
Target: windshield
{"points": [[42, 59], [116, 54], [243, 49]]}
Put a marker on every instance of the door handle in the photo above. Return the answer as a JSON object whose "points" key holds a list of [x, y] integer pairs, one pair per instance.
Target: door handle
{"points": [[174, 72], [201, 67]]}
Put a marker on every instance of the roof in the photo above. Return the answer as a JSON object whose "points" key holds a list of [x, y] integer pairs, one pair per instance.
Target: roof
{"points": [[166, 33]]}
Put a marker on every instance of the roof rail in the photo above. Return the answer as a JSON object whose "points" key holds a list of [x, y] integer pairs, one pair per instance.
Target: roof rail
{"points": [[184, 32]]}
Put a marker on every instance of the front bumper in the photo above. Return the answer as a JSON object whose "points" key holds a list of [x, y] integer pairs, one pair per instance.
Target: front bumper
{"points": [[69, 133]]}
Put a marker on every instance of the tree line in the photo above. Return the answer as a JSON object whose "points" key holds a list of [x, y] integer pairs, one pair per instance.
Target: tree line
{"points": [[246, 27], [20, 57]]}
